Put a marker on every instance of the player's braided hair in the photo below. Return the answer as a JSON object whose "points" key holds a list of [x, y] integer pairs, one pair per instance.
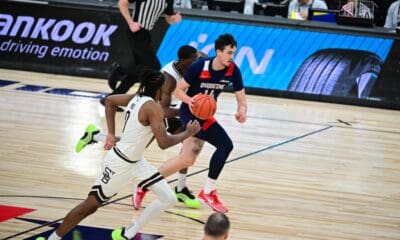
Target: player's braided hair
{"points": [[150, 82]]}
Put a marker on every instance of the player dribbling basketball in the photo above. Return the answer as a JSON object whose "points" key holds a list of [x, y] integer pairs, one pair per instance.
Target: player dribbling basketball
{"points": [[209, 76]]}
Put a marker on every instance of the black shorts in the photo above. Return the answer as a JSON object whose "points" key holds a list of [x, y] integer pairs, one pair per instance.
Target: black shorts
{"points": [[172, 124]]}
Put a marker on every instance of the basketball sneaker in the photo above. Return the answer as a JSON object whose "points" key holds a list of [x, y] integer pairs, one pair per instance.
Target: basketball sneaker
{"points": [[87, 137], [186, 197], [137, 197], [212, 201], [118, 234]]}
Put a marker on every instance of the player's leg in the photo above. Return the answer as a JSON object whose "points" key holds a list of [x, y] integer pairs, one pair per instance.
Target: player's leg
{"points": [[91, 135], [182, 192], [115, 175], [190, 149], [143, 57], [143, 50], [77, 214], [165, 199], [87, 138], [216, 136], [116, 73], [128, 80]]}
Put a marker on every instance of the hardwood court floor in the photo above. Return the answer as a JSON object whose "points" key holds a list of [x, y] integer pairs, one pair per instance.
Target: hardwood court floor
{"points": [[299, 169]]}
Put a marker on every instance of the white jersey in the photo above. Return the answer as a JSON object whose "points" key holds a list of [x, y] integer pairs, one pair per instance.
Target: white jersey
{"points": [[135, 136], [171, 70]]}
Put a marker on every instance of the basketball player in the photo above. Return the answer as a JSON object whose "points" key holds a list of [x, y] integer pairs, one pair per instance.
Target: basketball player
{"points": [[216, 227], [143, 119], [210, 76], [173, 72]]}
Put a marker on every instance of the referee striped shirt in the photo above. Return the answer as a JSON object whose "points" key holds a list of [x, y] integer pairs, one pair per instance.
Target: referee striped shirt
{"points": [[147, 12]]}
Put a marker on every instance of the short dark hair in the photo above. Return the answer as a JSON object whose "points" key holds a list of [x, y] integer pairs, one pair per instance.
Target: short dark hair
{"points": [[225, 40], [150, 82], [217, 225], [186, 51]]}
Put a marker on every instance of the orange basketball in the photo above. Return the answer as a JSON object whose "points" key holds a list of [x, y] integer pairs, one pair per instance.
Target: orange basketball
{"points": [[204, 106]]}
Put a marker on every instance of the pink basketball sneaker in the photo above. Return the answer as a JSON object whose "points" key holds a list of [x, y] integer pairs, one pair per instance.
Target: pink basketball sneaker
{"points": [[137, 197]]}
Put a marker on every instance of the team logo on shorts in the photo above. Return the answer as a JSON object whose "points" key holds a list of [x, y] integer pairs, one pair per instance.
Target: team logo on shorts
{"points": [[106, 175]]}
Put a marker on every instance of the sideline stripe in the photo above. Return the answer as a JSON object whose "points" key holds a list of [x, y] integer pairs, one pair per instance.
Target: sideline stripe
{"points": [[262, 150]]}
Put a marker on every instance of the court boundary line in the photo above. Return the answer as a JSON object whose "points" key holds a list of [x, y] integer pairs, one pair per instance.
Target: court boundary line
{"points": [[191, 174], [316, 124]]}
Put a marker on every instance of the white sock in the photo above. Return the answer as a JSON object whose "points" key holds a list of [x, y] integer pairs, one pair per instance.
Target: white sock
{"points": [[211, 184], [181, 181], [166, 198], [100, 137], [131, 231], [54, 236]]}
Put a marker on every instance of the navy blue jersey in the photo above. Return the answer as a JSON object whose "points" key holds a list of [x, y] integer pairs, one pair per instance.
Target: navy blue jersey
{"points": [[203, 79]]}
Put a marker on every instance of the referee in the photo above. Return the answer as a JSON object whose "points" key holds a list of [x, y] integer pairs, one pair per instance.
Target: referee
{"points": [[144, 16]]}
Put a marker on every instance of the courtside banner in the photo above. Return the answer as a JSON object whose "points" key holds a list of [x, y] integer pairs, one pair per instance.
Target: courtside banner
{"points": [[291, 60], [69, 40]]}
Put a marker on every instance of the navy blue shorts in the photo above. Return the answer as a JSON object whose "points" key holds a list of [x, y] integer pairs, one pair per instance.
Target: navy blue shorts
{"points": [[210, 128]]}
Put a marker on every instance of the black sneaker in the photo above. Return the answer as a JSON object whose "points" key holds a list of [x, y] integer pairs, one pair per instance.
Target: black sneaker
{"points": [[186, 197], [116, 74]]}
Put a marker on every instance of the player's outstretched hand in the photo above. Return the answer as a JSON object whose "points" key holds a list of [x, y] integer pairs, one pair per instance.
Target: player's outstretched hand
{"points": [[193, 127]]}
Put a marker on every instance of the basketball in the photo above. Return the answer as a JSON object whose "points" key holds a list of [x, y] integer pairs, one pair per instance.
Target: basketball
{"points": [[204, 106]]}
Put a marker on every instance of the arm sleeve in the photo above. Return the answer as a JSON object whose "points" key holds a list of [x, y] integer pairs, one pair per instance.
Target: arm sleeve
{"points": [[237, 81], [170, 7]]}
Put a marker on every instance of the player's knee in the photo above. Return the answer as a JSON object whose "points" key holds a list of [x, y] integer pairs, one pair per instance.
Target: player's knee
{"points": [[187, 162], [227, 147], [196, 150], [188, 159]]}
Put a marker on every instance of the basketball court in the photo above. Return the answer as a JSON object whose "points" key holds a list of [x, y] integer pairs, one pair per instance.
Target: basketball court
{"points": [[299, 169]]}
